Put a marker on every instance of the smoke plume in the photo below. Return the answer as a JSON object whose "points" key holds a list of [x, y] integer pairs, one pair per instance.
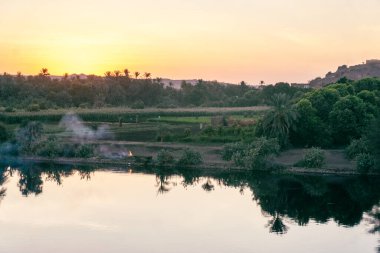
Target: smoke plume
{"points": [[74, 125]]}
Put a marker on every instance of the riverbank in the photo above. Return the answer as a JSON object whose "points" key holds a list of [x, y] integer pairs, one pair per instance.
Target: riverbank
{"points": [[145, 153]]}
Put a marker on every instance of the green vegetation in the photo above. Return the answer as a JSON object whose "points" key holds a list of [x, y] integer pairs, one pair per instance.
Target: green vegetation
{"points": [[314, 158], [340, 115], [278, 122], [190, 157], [365, 163], [34, 93], [336, 114], [253, 155], [357, 147], [164, 157]]}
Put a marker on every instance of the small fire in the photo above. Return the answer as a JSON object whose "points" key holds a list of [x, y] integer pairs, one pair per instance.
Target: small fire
{"points": [[130, 153]]}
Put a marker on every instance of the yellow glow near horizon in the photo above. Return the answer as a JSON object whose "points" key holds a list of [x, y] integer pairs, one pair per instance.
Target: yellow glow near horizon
{"points": [[251, 40]]}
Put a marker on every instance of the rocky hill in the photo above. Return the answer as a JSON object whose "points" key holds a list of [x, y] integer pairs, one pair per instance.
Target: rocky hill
{"points": [[371, 68]]}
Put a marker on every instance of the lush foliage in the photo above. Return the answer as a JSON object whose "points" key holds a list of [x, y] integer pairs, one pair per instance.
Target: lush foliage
{"points": [[314, 158], [190, 157], [253, 155], [164, 157], [356, 147], [336, 114], [278, 121], [34, 93], [364, 163]]}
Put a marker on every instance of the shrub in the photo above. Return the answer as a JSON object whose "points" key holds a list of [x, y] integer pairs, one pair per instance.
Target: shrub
{"points": [[230, 149], [164, 157], [190, 157], [85, 151], [357, 147], [187, 132], [49, 148], [68, 150], [29, 135], [365, 163], [314, 158], [209, 131], [254, 155]]}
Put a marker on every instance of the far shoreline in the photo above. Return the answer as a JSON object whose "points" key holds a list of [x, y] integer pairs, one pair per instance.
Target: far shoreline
{"points": [[276, 169]]}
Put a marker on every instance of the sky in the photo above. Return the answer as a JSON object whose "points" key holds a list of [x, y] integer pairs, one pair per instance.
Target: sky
{"points": [[224, 40]]}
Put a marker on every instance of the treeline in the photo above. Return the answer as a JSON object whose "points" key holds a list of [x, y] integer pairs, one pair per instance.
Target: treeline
{"points": [[344, 114], [40, 92], [336, 114]]}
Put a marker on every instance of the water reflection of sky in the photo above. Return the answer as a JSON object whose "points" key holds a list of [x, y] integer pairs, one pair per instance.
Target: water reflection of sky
{"points": [[122, 212]]}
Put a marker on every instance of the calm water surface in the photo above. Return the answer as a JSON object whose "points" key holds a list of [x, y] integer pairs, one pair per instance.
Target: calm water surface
{"points": [[64, 209]]}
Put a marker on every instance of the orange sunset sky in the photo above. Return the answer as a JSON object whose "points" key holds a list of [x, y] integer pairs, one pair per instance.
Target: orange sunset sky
{"points": [[231, 41]]}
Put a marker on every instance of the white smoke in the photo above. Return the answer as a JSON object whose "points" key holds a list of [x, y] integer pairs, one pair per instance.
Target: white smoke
{"points": [[73, 124]]}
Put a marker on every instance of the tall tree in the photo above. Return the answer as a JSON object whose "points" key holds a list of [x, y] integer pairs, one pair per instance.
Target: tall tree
{"points": [[278, 121], [147, 75], [126, 73]]}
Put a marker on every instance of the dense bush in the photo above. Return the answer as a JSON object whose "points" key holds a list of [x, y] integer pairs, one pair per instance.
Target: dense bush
{"points": [[164, 157], [50, 148], [190, 157], [85, 151], [230, 149], [253, 155], [365, 163], [356, 147], [314, 158], [187, 132], [28, 136]]}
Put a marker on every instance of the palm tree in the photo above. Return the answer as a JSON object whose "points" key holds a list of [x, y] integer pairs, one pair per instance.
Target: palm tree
{"points": [[117, 73], [137, 74], [276, 225], [278, 121], [208, 186], [126, 73], [108, 74], [44, 72], [147, 75]]}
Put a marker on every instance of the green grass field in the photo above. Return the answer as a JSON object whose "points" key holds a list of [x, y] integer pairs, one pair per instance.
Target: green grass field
{"points": [[126, 114], [146, 124]]}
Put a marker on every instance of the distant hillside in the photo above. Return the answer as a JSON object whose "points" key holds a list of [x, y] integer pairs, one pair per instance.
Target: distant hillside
{"points": [[371, 68]]}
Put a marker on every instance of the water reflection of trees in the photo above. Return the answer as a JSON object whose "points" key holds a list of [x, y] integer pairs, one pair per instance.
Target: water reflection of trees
{"points": [[283, 199], [4, 175], [298, 199], [373, 220], [31, 177]]}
